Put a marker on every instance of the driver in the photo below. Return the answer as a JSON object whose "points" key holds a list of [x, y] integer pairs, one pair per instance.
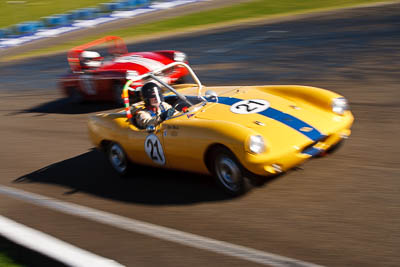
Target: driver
{"points": [[91, 60], [155, 109]]}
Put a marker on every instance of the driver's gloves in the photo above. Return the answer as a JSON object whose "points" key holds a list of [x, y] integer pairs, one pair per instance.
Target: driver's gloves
{"points": [[166, 114]]}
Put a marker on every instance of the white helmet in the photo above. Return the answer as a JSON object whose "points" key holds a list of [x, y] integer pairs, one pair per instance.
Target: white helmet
{"points": [[91, 59]]}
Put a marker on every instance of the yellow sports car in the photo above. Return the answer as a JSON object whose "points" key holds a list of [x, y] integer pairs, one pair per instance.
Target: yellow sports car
{"points": [[240, 134]]}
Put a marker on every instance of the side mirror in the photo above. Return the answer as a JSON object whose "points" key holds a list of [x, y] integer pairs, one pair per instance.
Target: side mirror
{"points": [[211, 94], [150, 128]]}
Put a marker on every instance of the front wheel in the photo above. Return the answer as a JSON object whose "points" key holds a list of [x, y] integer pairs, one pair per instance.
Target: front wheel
{"points": [[228, 172], [118, 159]]}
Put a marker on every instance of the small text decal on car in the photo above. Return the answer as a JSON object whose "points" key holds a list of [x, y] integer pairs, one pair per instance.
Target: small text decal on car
{"points": [[250, 106]]}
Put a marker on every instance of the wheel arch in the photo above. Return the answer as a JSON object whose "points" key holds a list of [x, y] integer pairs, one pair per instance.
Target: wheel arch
{"points": [[207, 157], [103, 145]]}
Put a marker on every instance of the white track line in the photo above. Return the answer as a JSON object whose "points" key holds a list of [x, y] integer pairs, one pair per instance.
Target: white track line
{"points": [[155, 231], [50, 246]]}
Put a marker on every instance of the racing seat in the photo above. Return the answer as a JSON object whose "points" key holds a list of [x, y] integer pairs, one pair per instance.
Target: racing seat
{"points": [[133, 119]]}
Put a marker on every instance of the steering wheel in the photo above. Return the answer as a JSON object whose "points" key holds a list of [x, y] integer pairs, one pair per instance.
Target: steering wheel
{"points": [[179, 106]]}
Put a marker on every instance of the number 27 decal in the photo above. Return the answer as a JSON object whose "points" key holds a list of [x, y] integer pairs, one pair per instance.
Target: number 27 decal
{"points": [[250, 106], [154, 150]]}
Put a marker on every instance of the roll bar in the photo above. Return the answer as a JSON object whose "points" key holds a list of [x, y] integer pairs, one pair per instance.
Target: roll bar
{"points": [[152, 74], [116, 47]]}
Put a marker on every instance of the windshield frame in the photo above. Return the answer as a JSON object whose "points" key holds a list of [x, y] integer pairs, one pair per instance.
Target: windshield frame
{"points": [[153, 75]]}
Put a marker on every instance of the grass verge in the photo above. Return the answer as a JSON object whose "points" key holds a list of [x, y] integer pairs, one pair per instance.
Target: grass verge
{"points": [[13, 255], [13, 12]]}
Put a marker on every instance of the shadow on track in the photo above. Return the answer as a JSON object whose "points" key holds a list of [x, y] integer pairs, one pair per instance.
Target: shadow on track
{"points": [[91, 173], [64, 106]]}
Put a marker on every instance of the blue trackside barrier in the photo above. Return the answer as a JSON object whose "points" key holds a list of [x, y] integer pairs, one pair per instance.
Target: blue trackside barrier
{"points": [[110, 7], [71, 16], [83, 13], [28, 27], [86, 13], [124, 5], [24, 27], [3, 33], [56, 20], [10, 32], [134, 3], [39, 24], [131, 3], [94, 11], [60, 20]]}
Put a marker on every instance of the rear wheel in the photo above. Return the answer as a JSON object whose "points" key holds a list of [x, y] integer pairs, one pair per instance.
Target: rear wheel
{"points": [[118, 159], [74, 96], [228, 172]]}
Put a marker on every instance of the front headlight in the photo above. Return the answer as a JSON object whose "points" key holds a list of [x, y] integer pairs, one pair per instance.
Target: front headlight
{"points": [[340, 105], [179, 56], [256, 144]]}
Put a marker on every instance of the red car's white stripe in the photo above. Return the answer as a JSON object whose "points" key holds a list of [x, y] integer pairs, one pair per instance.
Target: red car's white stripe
{"points": [[148, 63]]}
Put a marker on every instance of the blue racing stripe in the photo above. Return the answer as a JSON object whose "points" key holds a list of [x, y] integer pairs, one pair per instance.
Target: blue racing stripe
{"points": [[280, 116], [312, 151]]}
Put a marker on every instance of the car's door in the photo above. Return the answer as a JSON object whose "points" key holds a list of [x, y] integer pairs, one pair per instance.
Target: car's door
{"points": [[146, 147], [182, 148]]}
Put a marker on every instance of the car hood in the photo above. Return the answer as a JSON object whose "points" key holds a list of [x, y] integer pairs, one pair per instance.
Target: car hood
{"points": [[280, 121]]}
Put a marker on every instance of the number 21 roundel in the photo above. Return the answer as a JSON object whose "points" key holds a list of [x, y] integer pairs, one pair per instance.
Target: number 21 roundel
{"points": [[154, 150], [250, 106]]}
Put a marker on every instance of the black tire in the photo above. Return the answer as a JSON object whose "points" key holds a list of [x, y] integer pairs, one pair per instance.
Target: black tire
{"points": [[228, 172], [74, 96], [117, 91], [118, 159]]}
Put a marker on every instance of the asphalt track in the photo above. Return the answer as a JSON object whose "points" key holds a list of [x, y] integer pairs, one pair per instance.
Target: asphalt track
{"points": [[339, 210]]}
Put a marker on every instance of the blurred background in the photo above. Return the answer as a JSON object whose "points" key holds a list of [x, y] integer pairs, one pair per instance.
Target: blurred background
{"points": [[339, 210]]}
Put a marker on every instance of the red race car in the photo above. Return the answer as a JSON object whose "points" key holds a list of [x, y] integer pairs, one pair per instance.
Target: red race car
{"points": [[100, 69]]}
